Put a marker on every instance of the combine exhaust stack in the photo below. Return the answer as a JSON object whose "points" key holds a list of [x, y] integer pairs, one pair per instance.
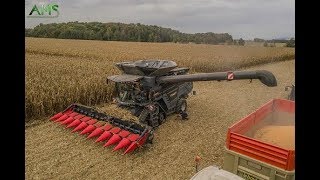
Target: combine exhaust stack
{"points": [[114, 131]]}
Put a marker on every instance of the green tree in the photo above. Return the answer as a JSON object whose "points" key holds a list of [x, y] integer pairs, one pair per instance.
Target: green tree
{"points": [[235, 42], [273, 44], [241, 42], [265, 44], [123, 32], [258, 40], [291, 43]]}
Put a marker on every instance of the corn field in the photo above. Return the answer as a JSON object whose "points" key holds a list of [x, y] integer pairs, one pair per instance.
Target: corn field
{"points": [[61, 72]]}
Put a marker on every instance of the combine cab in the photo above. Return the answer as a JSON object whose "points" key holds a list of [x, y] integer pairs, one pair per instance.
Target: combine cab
{"points": [[151, 90]]}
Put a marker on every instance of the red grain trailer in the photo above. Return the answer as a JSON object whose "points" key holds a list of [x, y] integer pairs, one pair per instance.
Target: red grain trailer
{"points": [[261, 145]]}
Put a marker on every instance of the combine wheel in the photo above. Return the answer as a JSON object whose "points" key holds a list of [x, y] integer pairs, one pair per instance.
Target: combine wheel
{"points": [[144, 116], [161, 117], [151, 118], [181, 106]]}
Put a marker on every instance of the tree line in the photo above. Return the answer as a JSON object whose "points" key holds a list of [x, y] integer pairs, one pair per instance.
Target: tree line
{"points": [[124, 32], [289, 42]]}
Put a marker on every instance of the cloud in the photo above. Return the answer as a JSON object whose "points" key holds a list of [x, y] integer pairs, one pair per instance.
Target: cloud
{"points": [[246, 18]]}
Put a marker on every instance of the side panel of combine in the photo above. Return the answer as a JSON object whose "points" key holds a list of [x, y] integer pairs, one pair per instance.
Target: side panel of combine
{"points": [[185, 89], [172, 94]]}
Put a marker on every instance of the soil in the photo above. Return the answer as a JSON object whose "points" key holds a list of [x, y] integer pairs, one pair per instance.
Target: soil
{"points": [[53, 152]]}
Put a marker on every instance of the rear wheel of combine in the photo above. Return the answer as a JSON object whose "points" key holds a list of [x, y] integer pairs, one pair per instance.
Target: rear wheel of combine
{"points": [[182, 108], [161, 117], [182, 105]]}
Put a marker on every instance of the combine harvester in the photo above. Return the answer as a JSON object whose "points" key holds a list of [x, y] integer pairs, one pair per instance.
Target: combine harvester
{"points": [[151, 90]]}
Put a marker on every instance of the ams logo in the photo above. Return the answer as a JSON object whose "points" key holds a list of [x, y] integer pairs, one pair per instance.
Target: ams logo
{"points": [[44, 11]]}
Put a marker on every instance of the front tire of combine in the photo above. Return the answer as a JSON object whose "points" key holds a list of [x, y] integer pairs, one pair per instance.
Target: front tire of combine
{"points": [[150, 138], [149, 118], [143, 116]]}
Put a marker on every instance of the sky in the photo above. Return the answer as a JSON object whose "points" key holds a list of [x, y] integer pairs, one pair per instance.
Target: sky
{"points": [[247, 19]]}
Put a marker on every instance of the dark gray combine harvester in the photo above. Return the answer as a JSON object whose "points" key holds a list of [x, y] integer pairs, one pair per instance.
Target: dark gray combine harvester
{"points": [[151, 90], [154, 89]]}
